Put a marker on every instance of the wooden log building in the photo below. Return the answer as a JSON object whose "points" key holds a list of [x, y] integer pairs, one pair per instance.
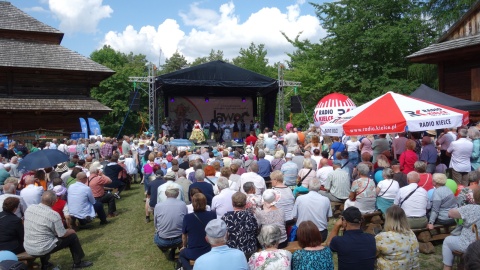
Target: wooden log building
{"points": [[42, 84], [457, 55]]}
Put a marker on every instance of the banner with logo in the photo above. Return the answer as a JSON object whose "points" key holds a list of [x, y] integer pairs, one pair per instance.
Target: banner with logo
{"points": [[83, 125], [94, 127]]}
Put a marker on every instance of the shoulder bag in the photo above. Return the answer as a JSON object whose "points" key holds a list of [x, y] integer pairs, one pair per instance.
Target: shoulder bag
{"points": [[300, 182]]}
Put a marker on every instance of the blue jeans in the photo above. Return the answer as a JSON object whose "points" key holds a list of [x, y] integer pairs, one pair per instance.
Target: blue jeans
{"points": [[353, 157], [167, 243], [146, 181]]}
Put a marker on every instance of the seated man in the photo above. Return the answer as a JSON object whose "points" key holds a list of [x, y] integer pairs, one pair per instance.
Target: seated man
{"points": [[97, 182], [170, 181], [221, 256], [222, 202], [31, 194], [355, 249], [81, 203], [337, 186], [9, 190], [168, 221], [45, 234], [314, 207], [152, 188], [413, 200]]}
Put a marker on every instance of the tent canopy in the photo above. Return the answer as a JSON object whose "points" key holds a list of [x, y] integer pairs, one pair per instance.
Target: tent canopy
{"points": [[216, 78], [426, 93]]}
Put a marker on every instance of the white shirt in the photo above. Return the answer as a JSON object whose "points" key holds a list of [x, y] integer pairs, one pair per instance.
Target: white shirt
{"points": [[257, 180], [31, 194], [461, 151], [66, 175], [222, 203], [21, 207], [291, 139], [323, 173], [392, 190], [270, 158], [416, 204], [352, 146]]}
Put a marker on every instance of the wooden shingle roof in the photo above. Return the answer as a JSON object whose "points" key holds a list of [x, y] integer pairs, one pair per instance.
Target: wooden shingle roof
{"points": [[25, 54], [33, 103], [447, 46], [12, 18]]}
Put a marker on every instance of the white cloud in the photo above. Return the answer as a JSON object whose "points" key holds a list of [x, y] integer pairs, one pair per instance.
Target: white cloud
{"points": [[79, 15], [220, 30]]}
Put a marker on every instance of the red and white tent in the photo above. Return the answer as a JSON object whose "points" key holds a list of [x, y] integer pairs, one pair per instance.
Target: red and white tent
{"points": [[392, 113]]}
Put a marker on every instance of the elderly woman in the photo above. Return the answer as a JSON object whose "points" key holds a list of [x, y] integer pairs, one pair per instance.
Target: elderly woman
{"points": [[474, 135], [408, 158], [271, 215], [382, 162], [442, 201], [286, 201], [260, 143], [397, 245], [386, 190], [306, 173], [466, 194], [271, 257], [362, 193], [11, 227], [471, 215], [193, 231], [278, 161], [242, 226], [426, 181], [312, 255], [210, 174]]}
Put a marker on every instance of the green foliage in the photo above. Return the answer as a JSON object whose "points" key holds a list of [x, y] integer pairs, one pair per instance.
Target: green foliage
{"points": [[363, 54], [174, 63], [213, 56], [254, 58], [114, 92], [444, 13]]}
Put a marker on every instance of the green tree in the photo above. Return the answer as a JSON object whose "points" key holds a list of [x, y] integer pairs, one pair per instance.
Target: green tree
{"points": [[213, 56], [176, 62], [114, 92], [443, 13], [254, 58]]}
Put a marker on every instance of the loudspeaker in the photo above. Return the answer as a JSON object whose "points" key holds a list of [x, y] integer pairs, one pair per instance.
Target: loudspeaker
{"points": [[295, 104], [134, 101]]}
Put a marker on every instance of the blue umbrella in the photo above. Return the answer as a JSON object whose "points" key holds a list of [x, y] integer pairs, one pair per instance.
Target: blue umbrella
{"points": [[42, 159]]}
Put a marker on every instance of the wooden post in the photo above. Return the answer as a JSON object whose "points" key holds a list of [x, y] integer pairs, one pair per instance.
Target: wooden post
{"points": [[475, 82]]}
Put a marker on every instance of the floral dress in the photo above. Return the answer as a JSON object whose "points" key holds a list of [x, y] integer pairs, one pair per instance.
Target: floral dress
{"points": [[397, 250], [242, 230], [197, 134], [366, 194], [465, 197], [270, 260]]}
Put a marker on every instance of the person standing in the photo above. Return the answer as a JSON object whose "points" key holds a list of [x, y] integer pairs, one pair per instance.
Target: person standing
{"points": [[460, 152], [444, 140], [429, 154]]}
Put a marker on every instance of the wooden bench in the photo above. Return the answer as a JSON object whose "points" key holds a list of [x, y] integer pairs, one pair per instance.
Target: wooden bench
{"points": [[26, 259], [372, 222], [458, 257], [426, 237]]}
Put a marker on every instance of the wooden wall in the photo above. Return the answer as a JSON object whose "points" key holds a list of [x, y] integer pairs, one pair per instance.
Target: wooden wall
{"points": [[470, 27]]}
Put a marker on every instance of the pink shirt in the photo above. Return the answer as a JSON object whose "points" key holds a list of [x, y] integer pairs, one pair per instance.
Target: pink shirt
{"points": [[407, 159]]}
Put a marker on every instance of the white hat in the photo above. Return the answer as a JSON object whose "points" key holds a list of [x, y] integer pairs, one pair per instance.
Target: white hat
{"points": [[288, 155]]}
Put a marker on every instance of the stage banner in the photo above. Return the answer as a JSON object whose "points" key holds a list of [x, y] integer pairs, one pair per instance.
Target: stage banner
{"points": [[83, 125], [94, 127], [224, 109]]}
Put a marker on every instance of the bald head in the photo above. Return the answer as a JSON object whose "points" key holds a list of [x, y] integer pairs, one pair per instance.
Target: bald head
{"points": [[81, 177], [413, 177], [324, 162], [49, 198]]}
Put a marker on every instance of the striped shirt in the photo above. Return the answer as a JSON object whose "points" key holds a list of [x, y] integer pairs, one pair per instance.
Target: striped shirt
{"points": [[290, 171], [338, 182], [42, 227]]}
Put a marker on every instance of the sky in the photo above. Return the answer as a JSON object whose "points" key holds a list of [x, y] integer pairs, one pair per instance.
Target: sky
{"points": [[158, 28]]}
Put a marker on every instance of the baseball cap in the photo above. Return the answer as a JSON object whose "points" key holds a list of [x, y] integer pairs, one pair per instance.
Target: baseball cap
{"points": [[352, 215], [216, 228], [288, 155]]}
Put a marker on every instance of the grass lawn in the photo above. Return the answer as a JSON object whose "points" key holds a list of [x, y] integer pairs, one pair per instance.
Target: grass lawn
{"points": [[127, 241]]}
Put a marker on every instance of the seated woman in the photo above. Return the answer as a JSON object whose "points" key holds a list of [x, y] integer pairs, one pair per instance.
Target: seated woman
{"points": [[61, 206], [362, 193], [386, 190], [304, 176], [312, 255], [193, 231], [471, 215], [382, 162], [271, 215], [397, 245], [442, 201], [11, 227], [466, 194], [425, 178], [242, 226], [278, 161], [271, 257]]}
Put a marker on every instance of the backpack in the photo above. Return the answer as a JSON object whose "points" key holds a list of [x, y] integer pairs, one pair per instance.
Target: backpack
{"points": [[12, 265]]}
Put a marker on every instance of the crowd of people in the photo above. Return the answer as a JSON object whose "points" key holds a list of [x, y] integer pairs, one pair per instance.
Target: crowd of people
{"points": [[238, 208]]}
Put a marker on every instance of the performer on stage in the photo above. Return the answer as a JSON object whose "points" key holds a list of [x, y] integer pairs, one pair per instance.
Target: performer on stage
{"points": [[197, 133], [227, 132], [206, 129]]}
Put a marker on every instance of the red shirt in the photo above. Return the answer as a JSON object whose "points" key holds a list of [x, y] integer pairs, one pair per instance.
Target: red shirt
{"points": [[407, 159], [426, 181], [251, 140]]}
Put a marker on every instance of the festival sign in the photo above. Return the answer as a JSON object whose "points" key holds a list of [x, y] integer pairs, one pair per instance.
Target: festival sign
{"points": [[393, 113], [332, 106]]}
